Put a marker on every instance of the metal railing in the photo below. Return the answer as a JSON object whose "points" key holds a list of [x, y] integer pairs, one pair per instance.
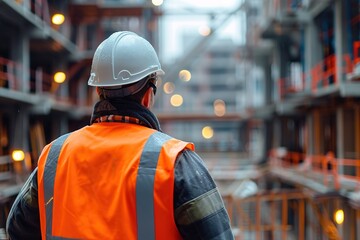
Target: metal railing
{"points": [[328, 166], [322, 75], [266, 215]]}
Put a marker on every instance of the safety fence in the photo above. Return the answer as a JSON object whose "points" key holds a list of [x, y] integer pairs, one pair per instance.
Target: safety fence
{"points": [[16, 77], [39, 8], [8, 76], [11, 74], [268, 215], [322, 75], [334, 172]]}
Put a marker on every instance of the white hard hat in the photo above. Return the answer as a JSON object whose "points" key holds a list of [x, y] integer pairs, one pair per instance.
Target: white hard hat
{"points": [[121, 59]]}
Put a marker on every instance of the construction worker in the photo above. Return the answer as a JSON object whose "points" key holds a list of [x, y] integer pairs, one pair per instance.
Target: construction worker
{"points": [[120, 177]]}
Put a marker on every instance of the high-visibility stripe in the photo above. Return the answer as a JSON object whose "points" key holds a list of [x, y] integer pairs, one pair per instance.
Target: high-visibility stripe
{"points": [[49, 179], [199, 208], [59, 238], [145, 185]]}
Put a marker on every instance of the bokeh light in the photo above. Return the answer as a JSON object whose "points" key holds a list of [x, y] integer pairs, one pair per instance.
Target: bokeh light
{"points": [[59, 77], [339, 216], [169, 87], [58, 19], [207, 132], [18, 155], [219, 107], [176, 100], [185, 75]]}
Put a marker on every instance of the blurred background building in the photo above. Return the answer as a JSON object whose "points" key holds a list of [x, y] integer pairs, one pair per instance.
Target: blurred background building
{"points": [[268, 90]]}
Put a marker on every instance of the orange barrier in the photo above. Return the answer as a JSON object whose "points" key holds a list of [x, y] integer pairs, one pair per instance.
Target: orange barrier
{"points": [[357, 52], [351, 64], [323, 72], [348, 68], [327, 165]]}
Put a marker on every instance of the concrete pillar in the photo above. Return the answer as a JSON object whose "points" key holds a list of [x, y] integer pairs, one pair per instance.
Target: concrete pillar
{"points": [[21, 128], [64, 90], [268, 136], [340, 137], [310, 137], [277, 132], [357, 131], [316, 133], [312, 51], [339, 43], [309, 229], [19, 125], [266, 66], [20, 53], [81, 37]]}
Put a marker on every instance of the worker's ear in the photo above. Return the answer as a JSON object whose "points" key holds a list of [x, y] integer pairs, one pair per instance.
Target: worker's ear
{"points": [[98, 91], [148, 98]]}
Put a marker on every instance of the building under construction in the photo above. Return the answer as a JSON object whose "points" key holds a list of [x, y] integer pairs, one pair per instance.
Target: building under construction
{"points": [[275, 116]]}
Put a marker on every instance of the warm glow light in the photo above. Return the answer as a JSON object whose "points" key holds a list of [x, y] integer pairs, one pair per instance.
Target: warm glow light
{"points": [[18, 155], [185, 75], [339, 216], [169, 87], [207, 132], [176, 100], [204, 31], [59, 77], [157, 2], [58, 19], [219, 107]]}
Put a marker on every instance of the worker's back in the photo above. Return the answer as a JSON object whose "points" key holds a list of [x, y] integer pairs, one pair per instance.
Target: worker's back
{"points": [[111, 179]]}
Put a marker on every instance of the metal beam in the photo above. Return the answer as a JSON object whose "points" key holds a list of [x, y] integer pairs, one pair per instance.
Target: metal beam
{"points": [[197, 49]]}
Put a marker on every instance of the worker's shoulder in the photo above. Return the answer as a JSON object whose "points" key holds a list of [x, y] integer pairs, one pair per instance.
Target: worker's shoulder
{"points": [[164, 137], [189, 157]]}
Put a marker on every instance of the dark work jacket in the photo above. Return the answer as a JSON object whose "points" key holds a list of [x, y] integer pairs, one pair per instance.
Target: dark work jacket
{"points": [[192, 184]]}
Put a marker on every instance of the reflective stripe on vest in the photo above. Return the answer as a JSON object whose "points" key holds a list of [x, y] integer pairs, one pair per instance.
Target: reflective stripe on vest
{"points": [[49, 179], [144, 184]]}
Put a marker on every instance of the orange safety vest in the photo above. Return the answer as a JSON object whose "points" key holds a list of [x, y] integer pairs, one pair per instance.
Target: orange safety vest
{"points": [[109, 181]]}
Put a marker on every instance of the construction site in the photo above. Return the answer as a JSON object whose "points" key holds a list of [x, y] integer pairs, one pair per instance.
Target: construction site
{"points": [[267, 90]]}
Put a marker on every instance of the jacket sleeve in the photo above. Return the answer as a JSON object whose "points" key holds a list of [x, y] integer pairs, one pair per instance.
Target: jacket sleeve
{"points": [[199, 209], [23, 221]]}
